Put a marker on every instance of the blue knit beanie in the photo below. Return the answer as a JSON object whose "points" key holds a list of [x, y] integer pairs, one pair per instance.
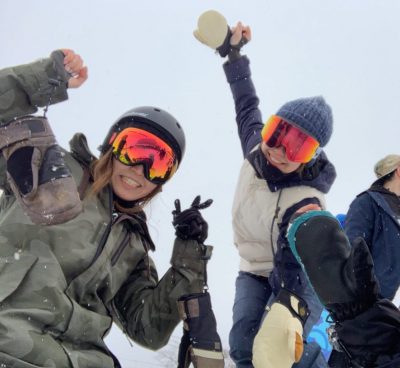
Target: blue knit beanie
{"points": [[312, 114]]}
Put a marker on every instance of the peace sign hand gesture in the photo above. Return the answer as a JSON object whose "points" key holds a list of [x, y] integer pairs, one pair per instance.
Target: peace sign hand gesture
{"points": [[190, 224]]}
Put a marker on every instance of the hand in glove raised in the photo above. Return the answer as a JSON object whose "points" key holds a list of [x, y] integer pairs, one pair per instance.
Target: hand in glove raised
{"points": [[213, 31], [279, 341], [190, 224], [341, 275]]}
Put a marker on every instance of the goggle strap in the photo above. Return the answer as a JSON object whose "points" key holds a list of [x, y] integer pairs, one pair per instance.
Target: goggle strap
{"points": [[313, 159], [121, 145]]}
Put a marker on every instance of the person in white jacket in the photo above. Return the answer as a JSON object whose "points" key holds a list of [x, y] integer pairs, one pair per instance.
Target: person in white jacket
{"points": [[284, 169]]}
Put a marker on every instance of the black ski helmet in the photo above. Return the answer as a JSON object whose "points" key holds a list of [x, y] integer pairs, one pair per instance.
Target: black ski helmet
{"points": [[154, 120]]}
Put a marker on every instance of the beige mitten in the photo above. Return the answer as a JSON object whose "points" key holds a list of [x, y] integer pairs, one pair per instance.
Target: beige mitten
{"points": [[212, 29]]}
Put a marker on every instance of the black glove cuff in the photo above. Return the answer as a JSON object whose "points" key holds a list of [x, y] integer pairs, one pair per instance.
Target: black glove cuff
{"points": [[344, 311], [234, 54], [191, 305], [196, 312], [58, 58], [226, 46], [296, 305], [233, 51], [372, 336]]}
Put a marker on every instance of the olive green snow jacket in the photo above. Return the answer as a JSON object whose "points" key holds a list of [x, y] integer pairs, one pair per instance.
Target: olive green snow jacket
{"points": [[62, 286]]}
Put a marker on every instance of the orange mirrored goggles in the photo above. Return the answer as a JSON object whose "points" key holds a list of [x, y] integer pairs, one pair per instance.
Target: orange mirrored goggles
{"points": [[134, 146], [299, 146]]}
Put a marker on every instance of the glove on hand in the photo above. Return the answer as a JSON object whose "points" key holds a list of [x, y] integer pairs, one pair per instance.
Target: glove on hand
{"points": [[279, 341], [342, 276], [200, 344], [213, 31], [190, 224]]}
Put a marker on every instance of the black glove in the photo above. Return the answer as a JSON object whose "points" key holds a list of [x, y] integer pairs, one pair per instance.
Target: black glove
{"points": [[372, 338], [342, 276], [200, 344], [190, 224], [366, 329], [233, 51]]}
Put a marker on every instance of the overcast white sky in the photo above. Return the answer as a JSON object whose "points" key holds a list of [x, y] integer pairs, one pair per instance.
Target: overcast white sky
{"points": [[143, 53]]}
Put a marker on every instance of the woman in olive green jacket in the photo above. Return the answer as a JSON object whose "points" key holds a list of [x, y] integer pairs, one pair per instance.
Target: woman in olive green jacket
{"points": [[61, 286]]}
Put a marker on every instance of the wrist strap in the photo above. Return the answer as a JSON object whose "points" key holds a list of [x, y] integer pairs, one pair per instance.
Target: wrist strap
{"points": [[296, 305]]}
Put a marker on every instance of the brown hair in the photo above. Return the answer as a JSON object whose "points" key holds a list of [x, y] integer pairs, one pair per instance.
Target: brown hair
{"points": [[101, 171]]}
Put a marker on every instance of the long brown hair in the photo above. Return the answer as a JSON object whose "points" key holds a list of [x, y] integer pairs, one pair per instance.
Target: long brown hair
{"points": [[101, 170]]}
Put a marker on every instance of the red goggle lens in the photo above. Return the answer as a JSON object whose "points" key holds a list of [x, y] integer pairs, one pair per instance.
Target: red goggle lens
{"points": [[299, 146], [133, 146]]}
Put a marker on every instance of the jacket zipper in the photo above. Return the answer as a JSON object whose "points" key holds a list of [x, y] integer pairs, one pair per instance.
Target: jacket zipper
{"points": [[122, 322], [104, 237], [120, 249]]}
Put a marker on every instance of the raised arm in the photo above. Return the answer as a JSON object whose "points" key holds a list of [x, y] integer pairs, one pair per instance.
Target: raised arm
{"points": [[24, 88], [214, 32], [32, 164], [147, 307]]}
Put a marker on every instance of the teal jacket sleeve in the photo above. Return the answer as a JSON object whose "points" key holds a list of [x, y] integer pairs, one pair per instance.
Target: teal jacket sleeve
{"points": [[24, 88]]}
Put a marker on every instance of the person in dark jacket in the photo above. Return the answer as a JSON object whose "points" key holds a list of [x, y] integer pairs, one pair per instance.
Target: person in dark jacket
{"points": [[63, 284], [375, 216], [284, 169]]}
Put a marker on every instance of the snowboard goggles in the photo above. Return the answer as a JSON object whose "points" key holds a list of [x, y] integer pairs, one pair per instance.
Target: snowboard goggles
{"points": [[299, 146], [134, 146]]}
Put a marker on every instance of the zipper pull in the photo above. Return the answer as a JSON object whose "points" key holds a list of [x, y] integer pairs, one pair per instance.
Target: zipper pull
{"points": [[114, 217]]}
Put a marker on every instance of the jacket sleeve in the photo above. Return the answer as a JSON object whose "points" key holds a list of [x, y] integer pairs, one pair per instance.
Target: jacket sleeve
{"points": [[248, 115], [24, 88], [147, 307], [373, 337], [360, 219], [286, 268], [287, 216]]}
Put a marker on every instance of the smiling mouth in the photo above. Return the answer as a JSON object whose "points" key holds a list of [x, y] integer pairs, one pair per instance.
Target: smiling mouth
{"points": [[130, 182]]}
